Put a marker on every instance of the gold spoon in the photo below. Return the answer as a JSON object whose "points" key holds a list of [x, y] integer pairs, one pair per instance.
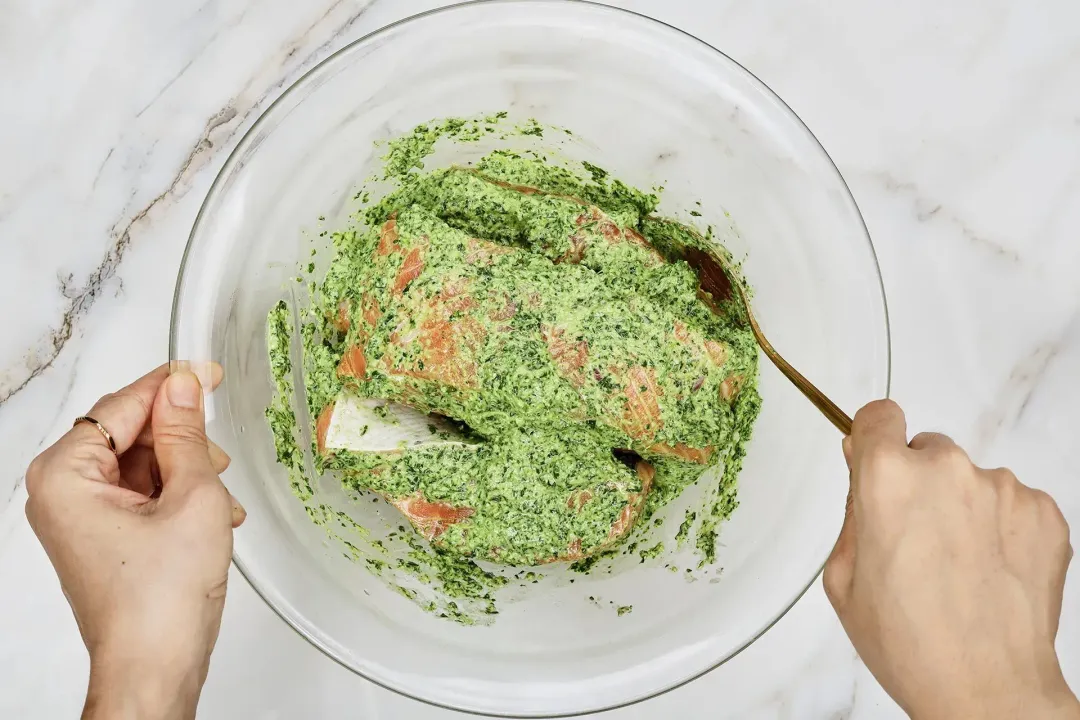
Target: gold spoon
{"points": [[714, 278]]}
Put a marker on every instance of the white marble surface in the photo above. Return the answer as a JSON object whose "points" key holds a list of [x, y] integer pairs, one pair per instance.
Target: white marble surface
{"points": [[956, 124]]}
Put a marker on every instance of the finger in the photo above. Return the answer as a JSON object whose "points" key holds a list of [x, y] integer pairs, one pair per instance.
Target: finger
{"points": [[839, 568], [180, 444], [218, 457], [209, 373], [123, 498], [931, 441], [239, 514], [840, 565], [125, 412], [845, 543], [877, 426]]}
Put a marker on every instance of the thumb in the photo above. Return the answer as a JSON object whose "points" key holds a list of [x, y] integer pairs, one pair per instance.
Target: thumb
{"points": [[179, 431]]}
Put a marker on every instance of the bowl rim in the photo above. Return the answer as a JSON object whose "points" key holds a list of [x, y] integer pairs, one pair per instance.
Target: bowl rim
{"points": [[242, 147]]}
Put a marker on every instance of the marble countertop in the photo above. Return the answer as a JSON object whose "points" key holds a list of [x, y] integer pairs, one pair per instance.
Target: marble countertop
{"points": [[957, 126]]}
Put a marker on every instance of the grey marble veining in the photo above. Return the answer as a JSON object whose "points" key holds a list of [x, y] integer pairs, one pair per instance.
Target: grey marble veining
{"points": [[957, 126]]}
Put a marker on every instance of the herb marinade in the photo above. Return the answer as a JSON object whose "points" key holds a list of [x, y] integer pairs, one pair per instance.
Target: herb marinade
{"points": [[539, 308]]}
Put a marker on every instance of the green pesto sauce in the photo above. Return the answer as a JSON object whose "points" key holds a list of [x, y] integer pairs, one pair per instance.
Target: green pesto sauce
{"points": [[685, 526], [540, 307], [652, 552], [279, 414]]}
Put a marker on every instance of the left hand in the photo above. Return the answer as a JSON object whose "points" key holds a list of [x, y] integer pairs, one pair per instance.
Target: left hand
{"points": [[144, 571]]}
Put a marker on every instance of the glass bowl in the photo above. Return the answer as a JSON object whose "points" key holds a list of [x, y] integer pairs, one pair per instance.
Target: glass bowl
{"points": [[654, 106]]}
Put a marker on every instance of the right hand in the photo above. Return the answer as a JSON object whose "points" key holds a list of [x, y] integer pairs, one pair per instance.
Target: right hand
{"points": [[949, 578]]}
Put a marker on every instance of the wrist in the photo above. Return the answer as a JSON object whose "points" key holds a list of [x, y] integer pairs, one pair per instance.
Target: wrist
{"points": [[1055, 706], [1062, 705], [124, 686], [1052, 701], [1048, 696]]}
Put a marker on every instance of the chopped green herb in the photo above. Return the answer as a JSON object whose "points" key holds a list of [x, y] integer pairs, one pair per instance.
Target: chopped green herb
{"points": [[542, 308]]}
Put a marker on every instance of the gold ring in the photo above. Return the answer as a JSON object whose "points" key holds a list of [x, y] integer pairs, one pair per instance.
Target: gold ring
{"points": [[101, 429]]}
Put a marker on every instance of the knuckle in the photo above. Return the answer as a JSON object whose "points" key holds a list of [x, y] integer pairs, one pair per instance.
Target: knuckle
{"points": [[884, 498], [877, 407], [35, 473], [87, 461], [884, 459], [129, 397], [829, 583], [41, 514], [1005, 477], [1051, 522], [93, 462], [922, 439], [1005, 484], [31, 511], [209, 491], [881, 466], [884, 480], [134, 397], [179, 435], [989, 490], [38, 518], [953, 457], [940, 448], [1042, 500], [104, 403], [875, 412], [209, 497], [834, 581], [1052, 512]]}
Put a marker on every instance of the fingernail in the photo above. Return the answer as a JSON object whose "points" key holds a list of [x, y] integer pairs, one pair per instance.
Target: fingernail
{"points": [[183, 390]]}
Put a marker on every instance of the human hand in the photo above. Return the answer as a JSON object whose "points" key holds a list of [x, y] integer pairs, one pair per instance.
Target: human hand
{"points": [[949, 578], [144, 571]]}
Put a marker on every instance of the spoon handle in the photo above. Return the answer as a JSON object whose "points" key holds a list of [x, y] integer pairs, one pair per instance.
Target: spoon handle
{"points": [[827, 407]]}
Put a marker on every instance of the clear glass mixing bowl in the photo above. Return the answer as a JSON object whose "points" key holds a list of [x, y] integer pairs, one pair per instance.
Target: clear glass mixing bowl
{"points": [[654, 106]]}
